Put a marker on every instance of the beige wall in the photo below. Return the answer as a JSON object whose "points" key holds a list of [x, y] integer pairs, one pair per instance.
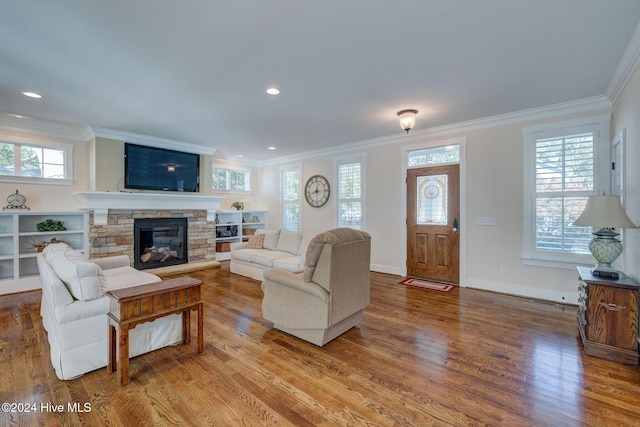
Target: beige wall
{"points": [[626, 115], [494, 188]]}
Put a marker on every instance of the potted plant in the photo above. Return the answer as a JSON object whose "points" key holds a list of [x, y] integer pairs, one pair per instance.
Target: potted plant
{"points": [[51, 225], [237, 205]]}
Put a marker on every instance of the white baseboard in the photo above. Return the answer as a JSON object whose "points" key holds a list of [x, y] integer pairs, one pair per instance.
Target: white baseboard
{"points": [[30, 283], [524, 291], [387, 269]]}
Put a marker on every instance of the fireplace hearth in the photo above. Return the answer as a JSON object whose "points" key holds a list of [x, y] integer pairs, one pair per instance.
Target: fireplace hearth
{"points": [[160, 242]]}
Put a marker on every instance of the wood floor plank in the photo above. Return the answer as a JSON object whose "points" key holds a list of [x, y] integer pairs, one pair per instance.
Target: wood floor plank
{"points": [[419, 358]]}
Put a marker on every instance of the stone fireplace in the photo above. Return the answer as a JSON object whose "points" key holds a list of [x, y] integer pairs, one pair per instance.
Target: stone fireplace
{"points": [[113, 215]]}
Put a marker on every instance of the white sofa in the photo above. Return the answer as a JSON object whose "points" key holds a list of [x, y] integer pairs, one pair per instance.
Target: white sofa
{"points": [[74, 309], [280, 249]]}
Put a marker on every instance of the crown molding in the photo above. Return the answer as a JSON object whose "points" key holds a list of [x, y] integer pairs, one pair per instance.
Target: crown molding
{"points": [[626, 67], [540, 113], [45, 129], [152, 141]]}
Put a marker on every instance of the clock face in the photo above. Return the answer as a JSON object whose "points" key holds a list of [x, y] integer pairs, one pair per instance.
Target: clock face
{"points": [[317, 191]]}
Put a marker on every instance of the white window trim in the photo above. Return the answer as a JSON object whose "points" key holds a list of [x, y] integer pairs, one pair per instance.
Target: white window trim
{"points": [[353, 158], [68, 161], [530, 256], [289, 168]]}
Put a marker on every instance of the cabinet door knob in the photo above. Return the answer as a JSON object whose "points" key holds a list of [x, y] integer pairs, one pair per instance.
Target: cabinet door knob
{"points": [[612, 307]]}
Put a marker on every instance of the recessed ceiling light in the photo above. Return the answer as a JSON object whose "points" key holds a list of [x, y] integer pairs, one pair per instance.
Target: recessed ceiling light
{"points": [[273, 91], [271, 147], [32, 94]]}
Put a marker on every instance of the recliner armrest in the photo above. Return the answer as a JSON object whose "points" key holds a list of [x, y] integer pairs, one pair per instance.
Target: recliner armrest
{"points": [[285, 278]]}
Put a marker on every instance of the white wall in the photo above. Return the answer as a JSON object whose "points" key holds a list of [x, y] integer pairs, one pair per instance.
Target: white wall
{"points": [[626, 115]]}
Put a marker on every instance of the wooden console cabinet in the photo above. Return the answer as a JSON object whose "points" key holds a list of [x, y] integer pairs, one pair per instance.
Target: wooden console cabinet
{"points": [[608, 317]]}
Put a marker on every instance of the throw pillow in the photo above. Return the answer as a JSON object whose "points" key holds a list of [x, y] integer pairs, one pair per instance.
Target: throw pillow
{"points": [[82, 278], [255, 241], [271, 240]]}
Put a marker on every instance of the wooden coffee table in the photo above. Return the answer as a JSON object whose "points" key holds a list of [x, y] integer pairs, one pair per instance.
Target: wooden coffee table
{"points": [[139, 304]]}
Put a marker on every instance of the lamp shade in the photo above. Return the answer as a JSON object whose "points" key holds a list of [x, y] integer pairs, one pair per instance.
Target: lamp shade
{"points": [[407, 119], [604, 211]]}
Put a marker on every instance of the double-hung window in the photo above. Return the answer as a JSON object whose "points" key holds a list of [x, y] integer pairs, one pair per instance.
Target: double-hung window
{"points": [[43, 163], [350, 192], [290, 195], [565, 163]]}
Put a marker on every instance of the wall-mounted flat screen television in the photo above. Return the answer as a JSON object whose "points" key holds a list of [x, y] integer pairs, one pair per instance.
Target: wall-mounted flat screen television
{"points": [[151, 168]]}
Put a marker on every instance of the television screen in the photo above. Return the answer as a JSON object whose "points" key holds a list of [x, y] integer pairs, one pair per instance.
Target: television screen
{"points": [[150, 168]]}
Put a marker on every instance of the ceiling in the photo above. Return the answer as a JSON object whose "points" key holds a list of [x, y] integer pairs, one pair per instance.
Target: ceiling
{"points": [[197, 71]]}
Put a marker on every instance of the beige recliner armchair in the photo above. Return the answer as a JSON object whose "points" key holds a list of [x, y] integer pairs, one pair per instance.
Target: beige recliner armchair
{"points": [[329, 296]]}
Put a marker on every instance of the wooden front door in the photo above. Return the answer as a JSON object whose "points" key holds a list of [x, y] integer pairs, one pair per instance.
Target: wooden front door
{"points": [[433, 222]]}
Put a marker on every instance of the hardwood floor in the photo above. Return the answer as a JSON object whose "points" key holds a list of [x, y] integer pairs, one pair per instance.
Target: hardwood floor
{"points": [[419, 358]]}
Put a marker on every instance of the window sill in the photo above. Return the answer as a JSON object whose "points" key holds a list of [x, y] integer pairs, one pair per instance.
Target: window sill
{"points": [[238, 192], [566, 264], [36, 180]]}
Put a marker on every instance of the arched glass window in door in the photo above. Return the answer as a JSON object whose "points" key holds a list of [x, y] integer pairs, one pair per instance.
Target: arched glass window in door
{"points": [[432, 200]]}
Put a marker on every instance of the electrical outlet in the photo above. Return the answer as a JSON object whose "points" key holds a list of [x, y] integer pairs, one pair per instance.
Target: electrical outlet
{"points": [[502, 269]]}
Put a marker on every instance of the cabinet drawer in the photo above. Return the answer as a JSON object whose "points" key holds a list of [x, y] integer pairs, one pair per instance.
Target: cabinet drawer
{"points": [[612, 316]]}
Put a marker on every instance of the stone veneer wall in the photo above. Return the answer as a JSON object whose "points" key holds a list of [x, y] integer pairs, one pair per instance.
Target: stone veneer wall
{"points": [[116, 238]]}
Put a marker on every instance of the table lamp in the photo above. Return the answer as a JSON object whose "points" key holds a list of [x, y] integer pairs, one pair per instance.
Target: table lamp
{"points": [[605, 212]]}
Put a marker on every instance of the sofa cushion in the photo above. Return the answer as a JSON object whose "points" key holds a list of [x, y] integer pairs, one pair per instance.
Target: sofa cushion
{"points": [[266, 258], [271, 240], [84, 279], [291, 263], [256, 241], [244, 254], [307, 236], [125, 277], [289, 241]]}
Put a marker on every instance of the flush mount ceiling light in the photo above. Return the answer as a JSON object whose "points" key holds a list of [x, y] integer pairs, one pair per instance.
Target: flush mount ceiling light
{"points": [[32, 94], [407, 119], [171, 168], [273, 91], [271, 147]]}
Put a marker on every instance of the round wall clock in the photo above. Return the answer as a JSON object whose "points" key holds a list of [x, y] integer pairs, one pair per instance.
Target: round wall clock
{"points": [[317, 191]]}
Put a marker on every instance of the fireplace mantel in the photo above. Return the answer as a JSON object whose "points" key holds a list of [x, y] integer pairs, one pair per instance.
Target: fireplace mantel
{"points": [[101, 201]]}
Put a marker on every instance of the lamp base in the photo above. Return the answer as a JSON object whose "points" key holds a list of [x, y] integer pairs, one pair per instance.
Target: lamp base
{"points": [[605, 273], [605, 248]]}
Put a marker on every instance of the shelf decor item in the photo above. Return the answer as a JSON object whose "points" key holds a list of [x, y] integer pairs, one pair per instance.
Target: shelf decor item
{"points": [[39, 247], [16, 201], [51, 225], [238, 205]]}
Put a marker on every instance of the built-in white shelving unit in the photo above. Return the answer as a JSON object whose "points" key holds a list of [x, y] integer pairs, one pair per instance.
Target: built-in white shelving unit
{"points": [[235, 226], [18, 267]]}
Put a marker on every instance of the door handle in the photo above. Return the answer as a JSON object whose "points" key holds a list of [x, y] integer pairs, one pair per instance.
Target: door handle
{"points": [[455, 225]]}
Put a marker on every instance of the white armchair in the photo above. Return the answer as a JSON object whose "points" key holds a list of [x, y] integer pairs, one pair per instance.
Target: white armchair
{"points": [[329, 296]]}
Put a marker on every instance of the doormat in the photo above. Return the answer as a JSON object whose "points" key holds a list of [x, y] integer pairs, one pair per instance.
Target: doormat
{"points": [[428, 284]]}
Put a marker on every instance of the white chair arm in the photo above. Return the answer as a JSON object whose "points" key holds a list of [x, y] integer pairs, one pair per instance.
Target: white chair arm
{"points": [[112, 262], [238, 245]]}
